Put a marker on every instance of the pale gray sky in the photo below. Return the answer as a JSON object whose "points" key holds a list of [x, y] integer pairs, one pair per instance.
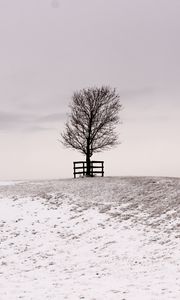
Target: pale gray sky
{"points": [[49, 48]]}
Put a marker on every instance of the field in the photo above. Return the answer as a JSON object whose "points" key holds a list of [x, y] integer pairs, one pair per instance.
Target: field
{"points": [[114, 238]]}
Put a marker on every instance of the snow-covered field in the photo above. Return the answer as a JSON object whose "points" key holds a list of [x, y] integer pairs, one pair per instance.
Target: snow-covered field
{"points": [[90, 238], [3, 183]]}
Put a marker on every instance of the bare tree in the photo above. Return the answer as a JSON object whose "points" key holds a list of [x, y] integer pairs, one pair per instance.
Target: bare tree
{"points": [[92, 121]]}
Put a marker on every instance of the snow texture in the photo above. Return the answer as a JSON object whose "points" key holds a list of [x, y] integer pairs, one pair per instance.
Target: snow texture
{"points": [[90, 238], [3, 183]]}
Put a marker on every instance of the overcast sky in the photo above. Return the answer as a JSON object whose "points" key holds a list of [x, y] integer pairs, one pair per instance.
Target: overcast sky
{"points": [[50, 48]]}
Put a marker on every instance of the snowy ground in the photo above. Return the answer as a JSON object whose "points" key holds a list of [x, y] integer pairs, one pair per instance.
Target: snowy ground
{"points": [[95, 239]]}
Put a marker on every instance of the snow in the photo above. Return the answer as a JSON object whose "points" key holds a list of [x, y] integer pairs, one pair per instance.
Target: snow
{"points": [[97, 238], [2, 183]]}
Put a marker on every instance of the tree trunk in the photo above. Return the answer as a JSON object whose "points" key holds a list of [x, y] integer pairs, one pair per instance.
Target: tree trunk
{"points": [[88, 162], [88, 171]]}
